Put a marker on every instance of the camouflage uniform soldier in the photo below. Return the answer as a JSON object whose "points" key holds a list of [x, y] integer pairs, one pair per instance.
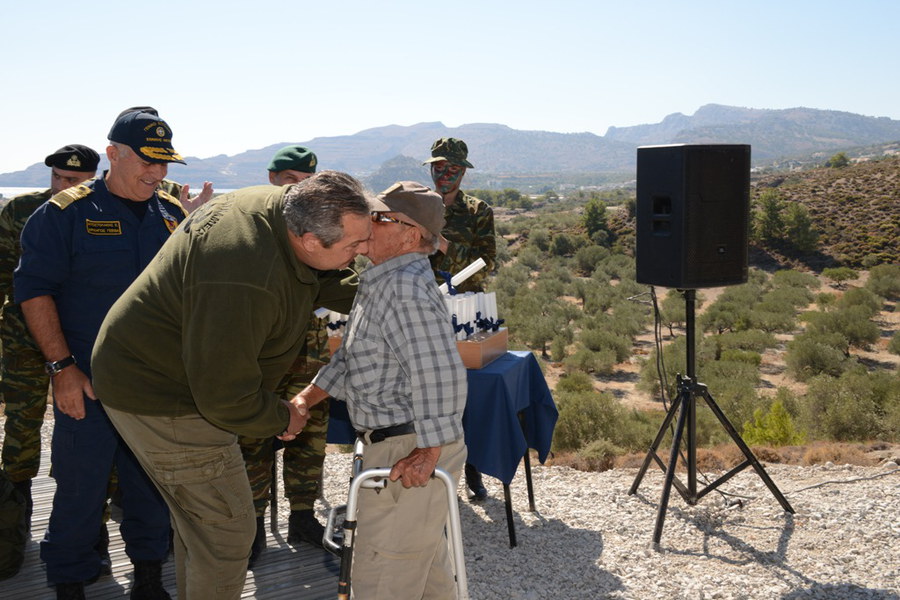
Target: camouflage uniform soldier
{"points": [[24, 382], [469, 231], [304, 456], [467, 236]]}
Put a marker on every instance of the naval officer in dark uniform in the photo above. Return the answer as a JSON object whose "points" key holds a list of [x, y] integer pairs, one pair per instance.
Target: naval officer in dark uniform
{"points": [[81, 250]]}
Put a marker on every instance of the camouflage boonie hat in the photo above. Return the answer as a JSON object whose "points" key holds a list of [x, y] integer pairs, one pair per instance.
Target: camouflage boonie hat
{"points": [[452, 150]]}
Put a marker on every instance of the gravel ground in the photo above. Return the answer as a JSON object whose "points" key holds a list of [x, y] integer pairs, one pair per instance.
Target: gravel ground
{"points": [[590, 539]]}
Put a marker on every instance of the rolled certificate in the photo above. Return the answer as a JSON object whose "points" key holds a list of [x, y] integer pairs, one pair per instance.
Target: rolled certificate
{"points": [[464, 274], [336, 322], [490, 300]]}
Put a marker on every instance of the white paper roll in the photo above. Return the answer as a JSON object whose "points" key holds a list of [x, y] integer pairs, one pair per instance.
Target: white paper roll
{"points": [[464, 274]]}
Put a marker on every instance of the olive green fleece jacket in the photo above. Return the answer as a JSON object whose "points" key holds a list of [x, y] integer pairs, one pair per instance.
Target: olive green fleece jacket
{"points": [[216, 319]]}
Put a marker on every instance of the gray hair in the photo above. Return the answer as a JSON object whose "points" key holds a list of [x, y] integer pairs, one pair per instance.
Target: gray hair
{"points": [[430, 243], [121, 147], [317, 204]]}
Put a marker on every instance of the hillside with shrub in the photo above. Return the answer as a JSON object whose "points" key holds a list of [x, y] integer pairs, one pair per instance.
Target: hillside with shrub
{"points": [[853, 210], [803, 358]]}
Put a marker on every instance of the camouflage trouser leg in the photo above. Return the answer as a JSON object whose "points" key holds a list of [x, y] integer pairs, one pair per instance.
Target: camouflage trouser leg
{"points": [[24, 387], [303, 460], [259, 457]]}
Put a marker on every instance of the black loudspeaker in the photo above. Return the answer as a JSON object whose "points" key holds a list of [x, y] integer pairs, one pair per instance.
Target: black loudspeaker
{"points": [[693, 208]]}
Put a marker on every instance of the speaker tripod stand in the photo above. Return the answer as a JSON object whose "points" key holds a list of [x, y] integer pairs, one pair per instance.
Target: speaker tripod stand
{"points": [[685, 405]]}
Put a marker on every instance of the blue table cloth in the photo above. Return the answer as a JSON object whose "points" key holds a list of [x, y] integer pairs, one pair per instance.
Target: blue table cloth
{"points": [[496, 439]]}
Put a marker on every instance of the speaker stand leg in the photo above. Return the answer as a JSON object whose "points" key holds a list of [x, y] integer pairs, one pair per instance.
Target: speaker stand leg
{"points": [[651, 454], [748, 454]]}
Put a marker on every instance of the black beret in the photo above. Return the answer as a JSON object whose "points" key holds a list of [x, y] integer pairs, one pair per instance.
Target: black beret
{"points": [[74, 157]]}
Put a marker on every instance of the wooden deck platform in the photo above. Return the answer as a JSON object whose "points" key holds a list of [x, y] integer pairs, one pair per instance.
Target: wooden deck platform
{"points": [[302, 573]]}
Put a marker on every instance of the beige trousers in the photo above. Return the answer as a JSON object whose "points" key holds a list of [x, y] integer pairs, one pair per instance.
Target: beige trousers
{"points": [[400, 551]]}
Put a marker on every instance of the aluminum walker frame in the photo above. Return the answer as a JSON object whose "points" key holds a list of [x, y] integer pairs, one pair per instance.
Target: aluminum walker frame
{"points": [[378, 479]]}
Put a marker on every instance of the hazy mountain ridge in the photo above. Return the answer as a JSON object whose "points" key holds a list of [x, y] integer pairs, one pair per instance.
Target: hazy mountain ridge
{"points": [[773, 134], [503, 154]]}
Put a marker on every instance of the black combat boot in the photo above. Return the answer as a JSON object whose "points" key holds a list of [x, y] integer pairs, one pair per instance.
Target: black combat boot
{"points": [[102, 549], [304, 527], [148, 581], [24, 488], [259, 542], [70, 591], [474, 482]]}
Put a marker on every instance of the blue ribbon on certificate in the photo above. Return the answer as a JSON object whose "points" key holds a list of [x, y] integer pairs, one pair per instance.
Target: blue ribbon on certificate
{"points": [[447, 277], [457, 327], [488, 324], [335, 325]]}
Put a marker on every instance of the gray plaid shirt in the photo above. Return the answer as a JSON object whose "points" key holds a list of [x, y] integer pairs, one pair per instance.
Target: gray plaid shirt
{"points": [[398, 362]]}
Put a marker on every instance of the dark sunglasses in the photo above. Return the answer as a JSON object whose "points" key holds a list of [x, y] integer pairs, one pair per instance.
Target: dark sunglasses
{"points": [[379, 217]]}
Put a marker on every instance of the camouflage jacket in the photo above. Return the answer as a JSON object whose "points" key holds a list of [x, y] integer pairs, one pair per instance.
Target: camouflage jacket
{"points": [[12, 220], [469, 228]]}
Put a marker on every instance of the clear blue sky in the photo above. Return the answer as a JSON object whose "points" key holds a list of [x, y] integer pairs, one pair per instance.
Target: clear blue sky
{"points": [[231, 76]]}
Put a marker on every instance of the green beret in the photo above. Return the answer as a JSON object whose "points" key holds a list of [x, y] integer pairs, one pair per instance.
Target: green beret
{"points": [[295, 158]]}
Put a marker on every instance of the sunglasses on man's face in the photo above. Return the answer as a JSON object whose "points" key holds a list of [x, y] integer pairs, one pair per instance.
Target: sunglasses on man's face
{"points": [[379, 217]]}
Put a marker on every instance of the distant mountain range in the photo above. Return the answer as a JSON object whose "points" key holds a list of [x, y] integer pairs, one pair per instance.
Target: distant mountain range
{"points": [[506, 157]]}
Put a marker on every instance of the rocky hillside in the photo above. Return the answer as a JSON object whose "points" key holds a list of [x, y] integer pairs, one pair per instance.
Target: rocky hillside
{"points": [[855, 209]]}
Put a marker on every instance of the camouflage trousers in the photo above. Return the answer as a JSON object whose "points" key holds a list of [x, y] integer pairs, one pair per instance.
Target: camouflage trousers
{"points": [[303, 459], [24, 387]]}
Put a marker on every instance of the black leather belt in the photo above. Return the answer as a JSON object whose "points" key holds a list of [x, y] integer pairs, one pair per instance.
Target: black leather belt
{"points": [[379, 435]]}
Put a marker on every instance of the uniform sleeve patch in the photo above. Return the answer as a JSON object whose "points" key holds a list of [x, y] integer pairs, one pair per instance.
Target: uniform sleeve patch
{"points": [[103, 227]]}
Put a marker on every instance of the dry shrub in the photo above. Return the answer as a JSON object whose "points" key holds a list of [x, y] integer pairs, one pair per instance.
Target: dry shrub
{"points": [[631, 460], [792, 455], [710, 459], [589, 465], [556, 459], [823, 452], [728, 456], [767, 454]]}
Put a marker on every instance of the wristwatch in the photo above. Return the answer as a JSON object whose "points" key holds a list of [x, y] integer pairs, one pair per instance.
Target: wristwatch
{"points": [[54, 367]]}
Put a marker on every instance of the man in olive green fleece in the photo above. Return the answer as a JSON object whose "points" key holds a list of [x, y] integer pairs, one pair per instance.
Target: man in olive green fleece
{"points": [[193, 351]]}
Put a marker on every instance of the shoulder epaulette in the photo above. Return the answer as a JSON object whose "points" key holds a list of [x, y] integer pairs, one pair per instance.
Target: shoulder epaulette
{"points": [[171, 200], [66, 197]]}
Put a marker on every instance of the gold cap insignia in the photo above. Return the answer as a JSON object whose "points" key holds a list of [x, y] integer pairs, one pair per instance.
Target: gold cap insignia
{"points": [[73, 161], [161, 131]]}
